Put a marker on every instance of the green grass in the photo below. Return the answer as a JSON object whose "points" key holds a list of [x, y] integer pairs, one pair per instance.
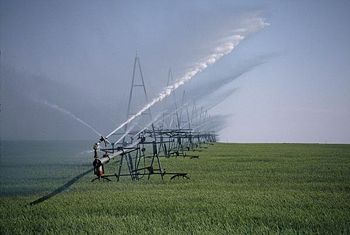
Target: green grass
{"points": [[234, 188]]}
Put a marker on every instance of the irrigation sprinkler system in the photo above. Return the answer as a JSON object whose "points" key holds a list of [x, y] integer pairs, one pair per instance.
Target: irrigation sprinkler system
{"points": [[136, 149]]}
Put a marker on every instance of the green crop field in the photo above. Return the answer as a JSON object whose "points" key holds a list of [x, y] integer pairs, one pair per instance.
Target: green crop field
{"points": [[234, 188]]}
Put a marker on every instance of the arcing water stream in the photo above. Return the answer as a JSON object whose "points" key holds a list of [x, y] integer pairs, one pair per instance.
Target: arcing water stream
{"points": [[222, 50]]}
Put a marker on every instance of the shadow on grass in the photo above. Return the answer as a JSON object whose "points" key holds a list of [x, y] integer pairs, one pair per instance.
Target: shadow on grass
{"points": [[61, 189]]}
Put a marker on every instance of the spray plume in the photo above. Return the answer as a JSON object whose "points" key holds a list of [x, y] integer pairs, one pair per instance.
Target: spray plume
{"points": [[148, 125], [220, 97], [125, 134], [222, 50], [65, 111], [213, 123]]}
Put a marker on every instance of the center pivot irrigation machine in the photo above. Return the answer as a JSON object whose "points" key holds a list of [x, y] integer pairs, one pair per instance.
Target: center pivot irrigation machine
{"points": [[137, 149]]}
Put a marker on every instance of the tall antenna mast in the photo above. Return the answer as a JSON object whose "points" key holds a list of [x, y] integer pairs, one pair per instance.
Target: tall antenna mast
{"points": [[137, 84]]}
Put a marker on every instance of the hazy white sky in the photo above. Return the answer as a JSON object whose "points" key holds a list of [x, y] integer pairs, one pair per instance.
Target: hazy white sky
{"points": [[291, 80]]}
